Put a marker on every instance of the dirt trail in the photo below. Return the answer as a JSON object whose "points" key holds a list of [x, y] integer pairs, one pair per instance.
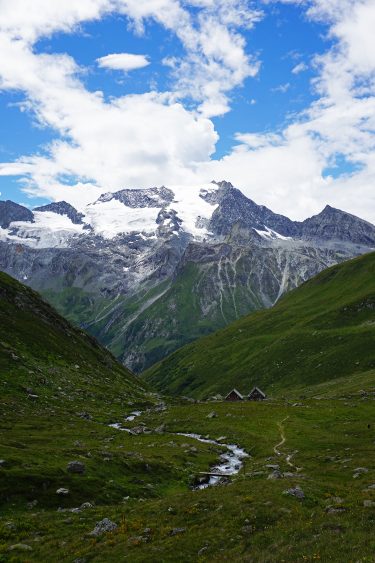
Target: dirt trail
{"points": [[288, 457]]}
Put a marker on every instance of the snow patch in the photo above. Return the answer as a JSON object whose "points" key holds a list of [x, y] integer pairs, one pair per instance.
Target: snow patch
{"points": [[111, 218], [190, 207], [49, 230], [270, 234]]}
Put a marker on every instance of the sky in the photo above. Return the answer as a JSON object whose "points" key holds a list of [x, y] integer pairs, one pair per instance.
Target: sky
{"points": [[277, 97]]}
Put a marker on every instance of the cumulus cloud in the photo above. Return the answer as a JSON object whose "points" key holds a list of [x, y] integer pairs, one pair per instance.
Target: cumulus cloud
{"points": [[123, 61], [288, 171], [103, 145]]}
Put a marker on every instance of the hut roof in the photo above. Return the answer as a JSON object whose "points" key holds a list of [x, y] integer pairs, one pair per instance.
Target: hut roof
{"points": [[256, 389], [236, 392]]}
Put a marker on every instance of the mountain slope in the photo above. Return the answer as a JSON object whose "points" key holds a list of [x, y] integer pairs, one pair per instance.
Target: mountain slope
{"points": [[323, 330], [148, 270], [48, 363]]}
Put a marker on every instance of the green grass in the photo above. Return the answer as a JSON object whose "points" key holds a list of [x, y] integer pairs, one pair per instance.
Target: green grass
{"points": [[323, 330], [143, 482], [249, 520]]}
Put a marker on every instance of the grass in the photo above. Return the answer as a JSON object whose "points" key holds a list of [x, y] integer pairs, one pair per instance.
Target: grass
{"points": [[60, 391], [249, 520], [323, 330]]}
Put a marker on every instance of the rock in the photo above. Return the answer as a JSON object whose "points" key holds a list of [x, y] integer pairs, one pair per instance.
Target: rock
{"points": [[139, 429], [335, 509], [103, 527], [247, 530], [20, 547], [176, 531], [202, 550], [62, 491], [76, 467], [368, 503], [275, 475], [359, 471], [289, 475], [32, 504], [273, 466], [295, 492], [86, 505], [2, 462], [160, 429], [84, 415], [10, 526], [212, 414]]}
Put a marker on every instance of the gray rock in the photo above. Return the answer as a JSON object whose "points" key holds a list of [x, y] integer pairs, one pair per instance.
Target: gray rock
{"points": [[295, 492], [335, 509], [76, 467], [275, 475], [273, 466], [103, 527], [212, 414], [20, 547], [368, 503], [2, 462], [360, 470], [176, 531], [62, 491]]}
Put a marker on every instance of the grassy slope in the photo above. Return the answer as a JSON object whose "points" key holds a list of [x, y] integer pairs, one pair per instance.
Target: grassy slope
{"points": [[322, 330], [142, 482], [250, 520]]}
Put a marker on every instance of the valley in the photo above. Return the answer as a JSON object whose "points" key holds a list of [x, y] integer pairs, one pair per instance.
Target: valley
{"points": [[147, 271], [193, 478]]}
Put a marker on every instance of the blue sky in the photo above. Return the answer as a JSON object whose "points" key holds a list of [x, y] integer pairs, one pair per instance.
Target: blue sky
{"points": [[277, 97]]}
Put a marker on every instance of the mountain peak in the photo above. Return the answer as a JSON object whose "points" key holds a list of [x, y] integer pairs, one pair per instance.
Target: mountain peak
{"points": [[223, 184]]}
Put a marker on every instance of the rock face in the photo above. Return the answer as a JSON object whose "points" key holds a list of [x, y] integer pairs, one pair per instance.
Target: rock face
{"points": [[10, 211], [148, 270], [63, 208]]}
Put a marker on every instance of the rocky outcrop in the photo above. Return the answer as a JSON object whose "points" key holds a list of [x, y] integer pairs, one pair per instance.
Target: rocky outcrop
{"points": [[63, 208], [10, 212]]}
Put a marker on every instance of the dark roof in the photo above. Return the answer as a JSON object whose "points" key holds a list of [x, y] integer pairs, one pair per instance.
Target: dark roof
{"points": [[236, 392], [256, 389]]}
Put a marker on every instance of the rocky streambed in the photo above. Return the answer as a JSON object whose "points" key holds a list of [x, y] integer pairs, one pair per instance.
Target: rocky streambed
{"points": [[230, 461]]}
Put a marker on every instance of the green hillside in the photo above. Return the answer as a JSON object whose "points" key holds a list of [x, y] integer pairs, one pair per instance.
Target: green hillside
{"points": [[44, 359], [323, 330], [60, 391]]}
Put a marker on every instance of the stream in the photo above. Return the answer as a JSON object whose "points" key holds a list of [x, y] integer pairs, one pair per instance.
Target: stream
{"points": [[230, 462]]}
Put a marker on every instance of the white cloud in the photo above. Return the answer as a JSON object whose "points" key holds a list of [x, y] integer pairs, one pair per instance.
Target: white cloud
{"points": [[150, 139], [123, 61], [286, 171], [300, 67], [282, 88]]}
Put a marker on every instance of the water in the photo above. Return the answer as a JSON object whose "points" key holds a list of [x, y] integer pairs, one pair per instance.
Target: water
{"points": [[230, 462]]}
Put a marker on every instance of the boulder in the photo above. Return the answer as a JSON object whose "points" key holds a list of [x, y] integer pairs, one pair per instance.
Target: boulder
{"points": [[76, 467], [103, 527]]}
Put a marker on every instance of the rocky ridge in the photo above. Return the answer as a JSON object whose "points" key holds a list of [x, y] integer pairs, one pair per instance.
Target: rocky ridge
{"points": [[147, 270]]}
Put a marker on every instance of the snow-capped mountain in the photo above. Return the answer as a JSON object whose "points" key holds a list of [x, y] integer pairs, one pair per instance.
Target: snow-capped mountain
{"points": [[147, 270]]}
